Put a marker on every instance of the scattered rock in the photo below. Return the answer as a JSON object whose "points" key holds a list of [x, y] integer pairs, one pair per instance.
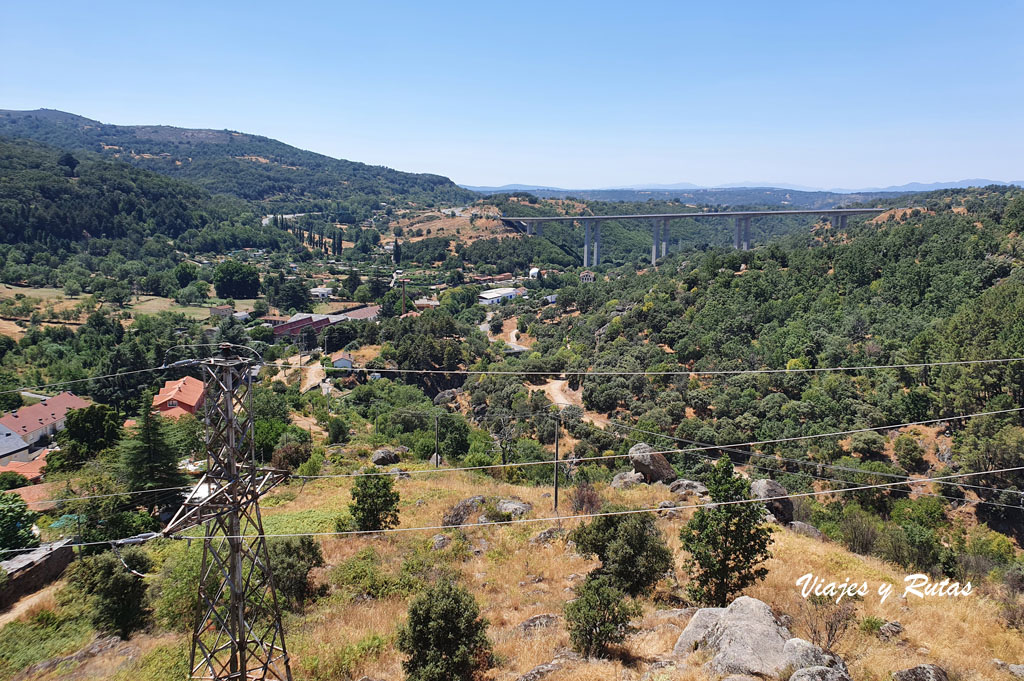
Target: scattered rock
{"points": [[923, 672], [401, 449], [695, 632], [547, 536], [683, 488], [923, 651], [513, 507], [462, 510], [540, 671], [782, 509], [574, 577], [999, 664], [1016, 669], [399, 473], [384, 457], [890, 630], [538, 622], [444, 397], [806, 530], [436, 461], [627, 480], [746, 639], [820, 674], [944, 452], [663, 670], [653, 466], [440, 541]]}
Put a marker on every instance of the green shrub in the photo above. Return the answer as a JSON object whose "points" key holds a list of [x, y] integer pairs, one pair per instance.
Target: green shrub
{"points": [[291, 559], [116, 596], [311, 466], [599, 616], [374, 502], [909, 454], [342, 662], [445, 639], [631, 548], [871, 624]]}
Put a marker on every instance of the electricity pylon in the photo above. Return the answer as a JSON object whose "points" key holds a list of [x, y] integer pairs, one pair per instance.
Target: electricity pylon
{"points": [[238, 634]]}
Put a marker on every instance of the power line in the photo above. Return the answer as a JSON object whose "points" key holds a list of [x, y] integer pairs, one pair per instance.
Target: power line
{"points": [[681, 372]]}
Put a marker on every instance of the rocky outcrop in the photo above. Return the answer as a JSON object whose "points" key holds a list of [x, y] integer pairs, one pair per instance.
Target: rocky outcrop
{"points": [[923, 672], [890, 630], [782, 509], [514, 508], [384, 457], [652, 465], [538, 622], [446, 396], [806, 530], [627, 480], [436, 461], [547, 536], [440, 542], [747, 640], [461, 511]]}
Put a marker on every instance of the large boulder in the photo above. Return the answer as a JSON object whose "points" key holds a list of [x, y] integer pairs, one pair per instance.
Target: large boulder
{"points": [[746, 639], [698, 627], [513, 507], [461, 511], [682, 488], [806, 530], [819, 674], [801, 654], [922, 672], [384, 457], [890, 630], [782, 509], [652, 465], [444, 397], [626, 480]]}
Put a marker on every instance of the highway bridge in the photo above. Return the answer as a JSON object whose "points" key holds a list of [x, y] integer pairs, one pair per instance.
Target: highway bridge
{"points": [[660, 224]]}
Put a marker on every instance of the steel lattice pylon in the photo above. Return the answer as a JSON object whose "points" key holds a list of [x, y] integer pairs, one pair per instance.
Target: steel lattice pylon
{"points": [[238, 634]]}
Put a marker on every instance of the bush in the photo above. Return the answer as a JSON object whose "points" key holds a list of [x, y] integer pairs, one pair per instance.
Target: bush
{"points": [[12, 480], [871, 624], [291, 559], [445, 638], [631, 548], [868, 445], [908, 453], [599, 616], [337, 431], [312, 465], [859, 529], [374, 504], [584, 498], [16, 523], [826, 620], [116, 597]]}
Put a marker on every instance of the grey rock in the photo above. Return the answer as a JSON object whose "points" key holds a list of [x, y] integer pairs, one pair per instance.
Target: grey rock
{"points": [[513, 507], [653, 466], [547, 536], [675, 613], [746, 639], [740, 677], [399, 473], [684, 488], [461, 511], [999, 664], [820, 674], [782, 509], [540, 671], [1017, 670], [922, 672], [801, 654], [696, 631], [806, 530], [440, 541], [436, 461], [627, 480], [944, 453], [663, 670], [444, 397], [384, 457], [890, 630], [542, 621]]}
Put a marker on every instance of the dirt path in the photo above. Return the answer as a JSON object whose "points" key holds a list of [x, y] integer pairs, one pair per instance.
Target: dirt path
{"points": [[313, 376], [559, 393]]}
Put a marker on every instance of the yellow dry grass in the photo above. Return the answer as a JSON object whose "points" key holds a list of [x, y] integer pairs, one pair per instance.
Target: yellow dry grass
{"points": [[513, 580]]}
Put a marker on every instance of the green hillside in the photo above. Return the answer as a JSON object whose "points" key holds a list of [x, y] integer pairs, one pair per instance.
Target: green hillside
{"points": [[250, 167]]}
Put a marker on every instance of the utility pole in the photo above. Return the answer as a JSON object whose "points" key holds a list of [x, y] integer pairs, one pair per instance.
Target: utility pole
{"points": [[437, 443], [403, 296], [238, 634], [558, 436]]}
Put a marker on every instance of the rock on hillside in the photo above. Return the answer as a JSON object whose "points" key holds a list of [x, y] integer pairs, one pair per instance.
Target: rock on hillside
{"points": [[649, 463], [782, 509]]}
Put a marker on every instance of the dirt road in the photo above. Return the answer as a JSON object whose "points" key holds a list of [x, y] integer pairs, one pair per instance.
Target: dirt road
{"points": [[559, 393]]}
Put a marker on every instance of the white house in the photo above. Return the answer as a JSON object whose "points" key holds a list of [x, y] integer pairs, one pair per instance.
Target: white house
{"points": [[320, 293], [497, 295], [534, 272]]}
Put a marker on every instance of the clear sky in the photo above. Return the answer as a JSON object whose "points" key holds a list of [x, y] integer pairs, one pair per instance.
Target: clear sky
{"points": [[571, 94]]}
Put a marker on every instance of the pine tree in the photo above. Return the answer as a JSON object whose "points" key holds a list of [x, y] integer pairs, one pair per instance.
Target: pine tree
{"points": [[149, 461], [727, 543]]}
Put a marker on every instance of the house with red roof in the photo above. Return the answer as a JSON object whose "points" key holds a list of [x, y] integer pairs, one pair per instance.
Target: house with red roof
{"points": [[184, 396], [33, 469], [44, 419]]}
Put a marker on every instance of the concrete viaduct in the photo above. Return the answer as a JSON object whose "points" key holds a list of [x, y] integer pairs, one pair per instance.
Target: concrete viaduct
{"points": [[660, 222]]}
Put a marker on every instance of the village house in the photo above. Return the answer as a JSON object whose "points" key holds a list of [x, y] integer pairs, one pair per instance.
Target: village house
{"points": [[36, 421], [221, 311], [497, 295], [342, 360], [587, 277], [320, 293], [12, 447], [176, 398]]}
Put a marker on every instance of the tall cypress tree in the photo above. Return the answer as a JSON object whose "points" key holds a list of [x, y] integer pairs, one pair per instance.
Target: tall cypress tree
{"points": [[149, 461]]}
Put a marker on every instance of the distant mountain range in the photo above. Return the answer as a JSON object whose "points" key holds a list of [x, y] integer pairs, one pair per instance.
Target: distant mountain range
{"points": [[689, 186], [281, 177]]}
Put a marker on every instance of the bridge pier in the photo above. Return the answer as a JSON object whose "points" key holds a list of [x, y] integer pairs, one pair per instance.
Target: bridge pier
{"points": [[842, 221], [746, 233], [737, 236], [664, 237], [597, 243], [529, 229], [539, 228], [654, 240], [586, 243]]}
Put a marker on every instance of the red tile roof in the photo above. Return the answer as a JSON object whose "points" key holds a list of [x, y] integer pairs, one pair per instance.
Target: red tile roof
{"points": [[36, 496], [188, 390], [174, 412], [33, 470], [35, 416], [368, 312]]}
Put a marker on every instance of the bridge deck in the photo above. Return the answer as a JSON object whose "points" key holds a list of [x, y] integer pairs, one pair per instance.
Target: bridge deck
{"points": [[721, 214]]}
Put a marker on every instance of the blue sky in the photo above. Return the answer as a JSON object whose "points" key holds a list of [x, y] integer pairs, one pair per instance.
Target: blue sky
{"points": [[570, 94]]}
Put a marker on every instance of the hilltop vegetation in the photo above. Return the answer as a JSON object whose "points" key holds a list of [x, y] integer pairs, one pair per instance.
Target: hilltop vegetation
{"points": [[280, 177]]}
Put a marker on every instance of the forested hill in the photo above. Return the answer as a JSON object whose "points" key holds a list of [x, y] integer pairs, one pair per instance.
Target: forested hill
{"points": [[251, 167]]}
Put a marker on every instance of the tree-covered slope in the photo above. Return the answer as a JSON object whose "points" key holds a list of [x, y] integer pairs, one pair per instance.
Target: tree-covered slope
{"points": [[248, 166]]}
